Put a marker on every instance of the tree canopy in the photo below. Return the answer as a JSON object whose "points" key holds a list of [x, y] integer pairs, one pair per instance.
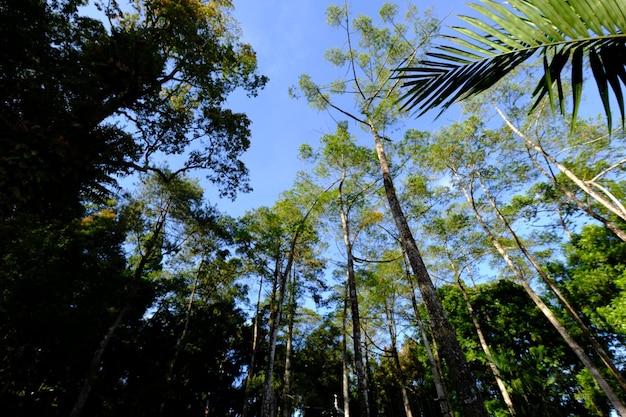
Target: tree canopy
{"points": [[125, 291]]}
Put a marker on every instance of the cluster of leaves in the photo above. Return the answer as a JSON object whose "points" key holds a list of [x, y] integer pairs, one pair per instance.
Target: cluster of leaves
{"points": [[92, 92]]}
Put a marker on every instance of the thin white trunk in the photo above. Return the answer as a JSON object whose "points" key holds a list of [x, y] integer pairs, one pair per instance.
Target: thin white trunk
{"points": [[608, 362], [287, 395], [581, 205], [399, 374], [345, 380], [354, 308], [486, 349], [582, 356], [616, 209]]}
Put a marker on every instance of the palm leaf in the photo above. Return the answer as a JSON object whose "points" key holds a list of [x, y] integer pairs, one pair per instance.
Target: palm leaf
{"points": [[578, 33]]}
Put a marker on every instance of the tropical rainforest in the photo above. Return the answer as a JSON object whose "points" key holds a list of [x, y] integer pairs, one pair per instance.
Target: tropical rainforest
{"points": [[477, 269]]}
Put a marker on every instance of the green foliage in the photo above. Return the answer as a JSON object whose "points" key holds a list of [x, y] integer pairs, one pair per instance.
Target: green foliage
{"points": [[367, 57], [62, 284], [317, 367], [82, 103], [544, 376], [566, 34], [593, 276]]}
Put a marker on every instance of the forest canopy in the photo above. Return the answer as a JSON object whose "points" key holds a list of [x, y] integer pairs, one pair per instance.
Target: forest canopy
{"points": [[475, 269]]}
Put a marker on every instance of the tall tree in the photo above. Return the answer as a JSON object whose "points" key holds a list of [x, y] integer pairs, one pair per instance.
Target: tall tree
{"points": [[374, 96], [151, 216], [349, 168], [571, 342], [85, 99], [276, 240], [592, 278]]}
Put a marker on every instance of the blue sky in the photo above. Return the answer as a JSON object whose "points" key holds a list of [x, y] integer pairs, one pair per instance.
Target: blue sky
{"points": [[290, 38]]}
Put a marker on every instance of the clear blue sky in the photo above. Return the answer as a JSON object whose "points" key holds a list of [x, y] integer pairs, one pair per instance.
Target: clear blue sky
{"points": [[290, 38]]}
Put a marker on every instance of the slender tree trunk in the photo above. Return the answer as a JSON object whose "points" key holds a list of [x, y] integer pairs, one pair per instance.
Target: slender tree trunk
{"points": [[460, 376], [255, 342], [442, 396], [398, 373], [181, 340], [608, 362], [345, 380], [354, 310], [276, 307], [581, 205], [280, 278], [486, 349], [96, 360], [613, 206], [287, 394], [580, 353]]}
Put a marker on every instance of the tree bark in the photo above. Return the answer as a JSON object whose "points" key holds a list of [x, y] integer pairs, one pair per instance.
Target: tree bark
{"points": [[354, 309], [398, 373], [442, 395], [276, 308], [280, 280], [584, 207], [486, 349], [255, 342], [460, 377], [287, 407], [181, 340], [345, 380], [614, 207]]}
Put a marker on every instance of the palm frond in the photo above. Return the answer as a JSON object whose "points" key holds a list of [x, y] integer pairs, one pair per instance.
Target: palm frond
{"points": [[578, 33]]}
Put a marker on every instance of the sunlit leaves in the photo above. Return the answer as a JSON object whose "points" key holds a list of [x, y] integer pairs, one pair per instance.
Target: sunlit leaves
{"points": [[371, 51], [336, 15], [388, 12]]}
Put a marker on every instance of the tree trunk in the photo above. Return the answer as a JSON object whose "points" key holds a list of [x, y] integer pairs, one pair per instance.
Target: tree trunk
{"points": [[614, 207], [442, 396], [276, 308], [582, 356], [96, 360], [486, 349], [345, 380], [398, 373], [584, 207], [181, 340], [255, 342], [287, 408], [280, 280], [460, 377], [354, 310], [608, 362]]}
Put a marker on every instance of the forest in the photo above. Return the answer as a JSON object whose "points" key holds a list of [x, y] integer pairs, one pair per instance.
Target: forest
{"points": [[474, 269]]}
